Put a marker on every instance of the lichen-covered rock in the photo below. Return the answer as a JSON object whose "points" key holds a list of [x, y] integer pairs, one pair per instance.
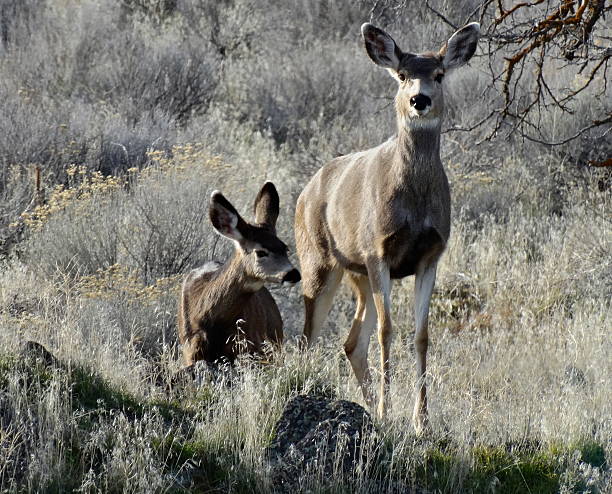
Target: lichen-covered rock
{"points": [[319, 435], [33, 352], [574, 376]]}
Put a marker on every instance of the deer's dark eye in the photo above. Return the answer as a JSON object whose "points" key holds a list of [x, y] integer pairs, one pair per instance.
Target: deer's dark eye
{"points": [[261, 253], [439, 78], [401, 76]]}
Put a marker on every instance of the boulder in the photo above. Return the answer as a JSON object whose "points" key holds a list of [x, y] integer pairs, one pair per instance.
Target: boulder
{"points": [[33, 352], [316, 434]]}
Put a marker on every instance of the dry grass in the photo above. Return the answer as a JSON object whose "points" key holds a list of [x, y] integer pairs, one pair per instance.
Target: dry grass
{"points": [[520, 359], [518, 369]]}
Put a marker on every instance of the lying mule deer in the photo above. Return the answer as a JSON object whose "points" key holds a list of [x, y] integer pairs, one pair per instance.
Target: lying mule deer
{"points": [[383, 214], [222, 305]]}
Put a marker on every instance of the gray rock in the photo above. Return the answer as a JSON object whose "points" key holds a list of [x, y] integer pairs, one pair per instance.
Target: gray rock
{"points": [[33, 352], [317, 435], [574, 376]]}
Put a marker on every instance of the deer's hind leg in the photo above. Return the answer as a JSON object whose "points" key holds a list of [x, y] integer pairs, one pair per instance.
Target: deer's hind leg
{"points": [[321, 276], [358, 341], [319, 285]]}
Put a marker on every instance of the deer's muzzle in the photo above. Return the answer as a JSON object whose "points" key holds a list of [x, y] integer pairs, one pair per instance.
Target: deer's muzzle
{"points": [[420, 102], [292, 276]]}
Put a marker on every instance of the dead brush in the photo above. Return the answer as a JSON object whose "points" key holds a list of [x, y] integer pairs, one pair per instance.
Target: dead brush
{"points": [[461, 306]]}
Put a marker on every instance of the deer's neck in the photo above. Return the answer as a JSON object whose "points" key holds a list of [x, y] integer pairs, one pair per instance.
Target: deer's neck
{"points": [[418, 145], [229, 291]]}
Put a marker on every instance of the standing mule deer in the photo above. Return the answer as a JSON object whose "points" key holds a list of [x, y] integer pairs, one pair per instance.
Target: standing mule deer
{"points": [[383, 214], [222, 305]]}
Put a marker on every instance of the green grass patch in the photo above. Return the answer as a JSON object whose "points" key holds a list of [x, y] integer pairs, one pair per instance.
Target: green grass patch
{"points": [[90, 391], [592, 453], [7, 365], [499, 469], [441, 465], [212, 467], [30, 371], [513, 471]]}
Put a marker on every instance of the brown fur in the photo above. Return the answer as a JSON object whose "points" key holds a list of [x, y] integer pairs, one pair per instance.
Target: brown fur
{"points": [[209, 330], [225, 310]]}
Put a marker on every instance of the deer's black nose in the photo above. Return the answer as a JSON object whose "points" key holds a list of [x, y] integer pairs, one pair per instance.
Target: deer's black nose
{"points": [[420, 102], [292, 276]]}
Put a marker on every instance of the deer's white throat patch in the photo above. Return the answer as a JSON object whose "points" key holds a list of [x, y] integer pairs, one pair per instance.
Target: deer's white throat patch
{"points": [[422, 123]]}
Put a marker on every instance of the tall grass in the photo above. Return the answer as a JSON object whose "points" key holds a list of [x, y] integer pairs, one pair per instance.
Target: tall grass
{"points": [[135, 114]]}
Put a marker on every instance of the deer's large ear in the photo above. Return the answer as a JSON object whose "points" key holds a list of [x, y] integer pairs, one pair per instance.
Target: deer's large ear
{"points": [[224, 217], [380, 47], [266, 206], [461, 46]]}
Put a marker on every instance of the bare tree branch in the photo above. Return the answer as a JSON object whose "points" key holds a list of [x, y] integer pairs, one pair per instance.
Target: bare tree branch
{"points": [[441, 16], [542, 56]]}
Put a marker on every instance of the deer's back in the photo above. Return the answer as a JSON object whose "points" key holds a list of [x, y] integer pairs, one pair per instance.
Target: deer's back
{"points": [[225, 326]]}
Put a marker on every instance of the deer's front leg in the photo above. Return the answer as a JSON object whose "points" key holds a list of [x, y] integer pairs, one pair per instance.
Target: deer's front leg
{"points": [[424, 281], [380, 282], [192, 349]]}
